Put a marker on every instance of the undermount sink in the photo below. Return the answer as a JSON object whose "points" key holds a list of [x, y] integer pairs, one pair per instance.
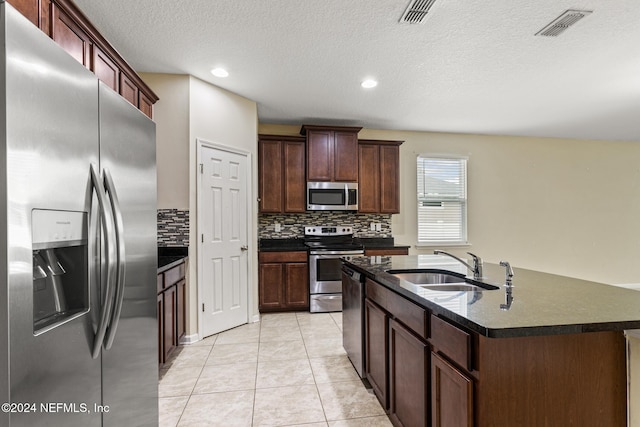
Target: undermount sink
{"points": [[440, 280]]}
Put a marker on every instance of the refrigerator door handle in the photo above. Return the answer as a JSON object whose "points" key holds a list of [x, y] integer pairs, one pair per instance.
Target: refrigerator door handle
{"points": [[120, 258], [108, 232]]}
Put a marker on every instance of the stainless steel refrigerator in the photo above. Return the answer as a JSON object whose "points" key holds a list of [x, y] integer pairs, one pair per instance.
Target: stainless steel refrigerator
{"points": [[78, 330]]}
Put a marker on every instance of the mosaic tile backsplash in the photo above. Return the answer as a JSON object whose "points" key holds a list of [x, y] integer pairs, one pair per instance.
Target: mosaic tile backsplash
{"points": [[292, 225], [173, 227]]}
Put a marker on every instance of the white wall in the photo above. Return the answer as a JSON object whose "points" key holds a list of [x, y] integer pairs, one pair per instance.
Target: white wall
{"points": [[191, 109], [563, 206]]}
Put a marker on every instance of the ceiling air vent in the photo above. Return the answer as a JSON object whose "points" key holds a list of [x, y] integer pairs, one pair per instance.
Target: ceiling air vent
{"points": [[563, 22], [417, 11]]}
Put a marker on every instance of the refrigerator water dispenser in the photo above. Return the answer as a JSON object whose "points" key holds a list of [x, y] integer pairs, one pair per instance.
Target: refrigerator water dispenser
{"points": [[60, 267]]}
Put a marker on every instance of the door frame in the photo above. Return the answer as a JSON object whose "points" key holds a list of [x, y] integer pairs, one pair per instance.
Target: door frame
{"points": [[202, 143]]}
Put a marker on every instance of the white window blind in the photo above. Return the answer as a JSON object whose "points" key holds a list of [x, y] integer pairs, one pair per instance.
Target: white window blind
{"points": [[442, 200]]}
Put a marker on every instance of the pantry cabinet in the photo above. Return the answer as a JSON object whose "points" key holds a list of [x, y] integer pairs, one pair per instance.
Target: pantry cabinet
{"points": [[379, 176], [63, 22], [332, 153], [281, 174]]}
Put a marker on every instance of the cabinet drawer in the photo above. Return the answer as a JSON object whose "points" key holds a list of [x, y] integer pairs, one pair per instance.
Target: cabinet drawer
{"points": [[451, 342], [377, 293], [174, 275], [265, 257], [412, 315]]}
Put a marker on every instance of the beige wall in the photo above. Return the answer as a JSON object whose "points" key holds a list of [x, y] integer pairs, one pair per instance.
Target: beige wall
{"points": [[171, 114], [191, 109], [563, 206]]}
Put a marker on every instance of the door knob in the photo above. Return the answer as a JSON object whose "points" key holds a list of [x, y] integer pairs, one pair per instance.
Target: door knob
{"points": [[244, 248]]}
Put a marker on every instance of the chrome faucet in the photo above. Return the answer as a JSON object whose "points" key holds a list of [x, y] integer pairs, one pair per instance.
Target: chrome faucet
{"points": [[477, 263], [509, 274]]}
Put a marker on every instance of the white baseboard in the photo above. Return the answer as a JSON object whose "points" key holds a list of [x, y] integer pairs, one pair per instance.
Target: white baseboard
{"points": [[189, 339]]}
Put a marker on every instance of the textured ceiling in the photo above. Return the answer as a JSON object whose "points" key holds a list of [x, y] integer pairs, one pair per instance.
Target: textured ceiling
{"points": [[473, 66]]}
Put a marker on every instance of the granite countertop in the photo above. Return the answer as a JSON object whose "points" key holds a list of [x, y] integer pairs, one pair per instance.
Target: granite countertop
{"points": [[170, 256], [282, 245], [297, 244], [543, 304]]}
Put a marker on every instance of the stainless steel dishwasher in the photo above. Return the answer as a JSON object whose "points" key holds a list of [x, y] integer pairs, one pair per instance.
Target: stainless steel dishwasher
{"points": [[353, 317]]}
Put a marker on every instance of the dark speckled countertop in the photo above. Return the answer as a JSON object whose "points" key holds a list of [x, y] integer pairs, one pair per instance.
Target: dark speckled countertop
{"points": [[543, 304], [169, 257]]}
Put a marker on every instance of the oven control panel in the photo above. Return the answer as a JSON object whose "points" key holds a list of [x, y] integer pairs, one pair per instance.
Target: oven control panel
{"points": [[339, 230]]}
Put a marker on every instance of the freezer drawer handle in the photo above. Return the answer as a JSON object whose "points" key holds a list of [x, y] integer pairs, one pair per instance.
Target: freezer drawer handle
{"points": [[108, 232], [119, 297]]}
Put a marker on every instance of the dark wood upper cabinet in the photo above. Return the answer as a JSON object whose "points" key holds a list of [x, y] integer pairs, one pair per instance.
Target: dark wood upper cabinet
{"points": [[71, 29], [281, 162], [332, 153], [379, 176], [71, 37]]}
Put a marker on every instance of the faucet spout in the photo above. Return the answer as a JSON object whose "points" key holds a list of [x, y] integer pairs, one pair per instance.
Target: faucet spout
{"points": [[477, 263]]}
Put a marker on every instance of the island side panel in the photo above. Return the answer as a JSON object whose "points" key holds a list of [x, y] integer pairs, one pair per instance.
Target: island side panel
{"points": [[556, 380]]}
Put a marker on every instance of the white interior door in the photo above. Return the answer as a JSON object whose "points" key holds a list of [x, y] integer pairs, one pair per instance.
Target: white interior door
{"points": [[222, 218]]}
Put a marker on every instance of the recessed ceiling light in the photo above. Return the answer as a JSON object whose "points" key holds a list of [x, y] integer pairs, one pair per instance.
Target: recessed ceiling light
{"points": [[220, 72], [369, 83]]}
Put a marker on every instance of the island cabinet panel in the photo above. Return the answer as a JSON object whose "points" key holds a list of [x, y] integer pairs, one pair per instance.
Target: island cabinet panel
{"points": [[451, 395], [408, 377], [332, 153], [379, 176], [283, 281], [554, 380], [281, 174], [376, 350]]}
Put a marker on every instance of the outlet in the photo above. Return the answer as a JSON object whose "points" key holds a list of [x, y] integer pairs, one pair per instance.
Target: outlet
{"points": [[378, 226], [278, 227], [373, 226]]}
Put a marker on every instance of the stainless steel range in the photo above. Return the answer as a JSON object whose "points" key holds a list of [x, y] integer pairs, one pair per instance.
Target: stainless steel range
{"points": [[326, 246]]}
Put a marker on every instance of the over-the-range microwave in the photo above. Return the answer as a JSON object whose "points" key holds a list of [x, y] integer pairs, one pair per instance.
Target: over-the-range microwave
{"points": [[332, 196]]}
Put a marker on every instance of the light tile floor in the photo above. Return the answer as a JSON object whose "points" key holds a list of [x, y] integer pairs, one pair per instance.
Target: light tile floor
{"points": [[289, 369]]}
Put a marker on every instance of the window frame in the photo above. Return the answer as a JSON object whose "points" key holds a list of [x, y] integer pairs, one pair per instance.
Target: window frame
{"points": [[462, 224]]}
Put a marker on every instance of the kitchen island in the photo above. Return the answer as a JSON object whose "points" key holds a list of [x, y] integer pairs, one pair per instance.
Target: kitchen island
{"points": [[552, 353]]}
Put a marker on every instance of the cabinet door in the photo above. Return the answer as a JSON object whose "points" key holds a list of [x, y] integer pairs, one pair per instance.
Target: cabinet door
{"points": [[294, 180], [320, 155], [296, 285], [70, 37], [145, 104], [103, 67], [160, 313], [128, 90], [451, 395], [389, 179], [345, 155], [408, 377], [369, 178], [181, 289], [169, 321], [376, 335], [270, 176], [270, 286], [28, 8]]}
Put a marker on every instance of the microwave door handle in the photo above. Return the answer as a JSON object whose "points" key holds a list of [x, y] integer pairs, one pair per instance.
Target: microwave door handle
{"points": [[346, 196], [120, 258], [109, 286]]}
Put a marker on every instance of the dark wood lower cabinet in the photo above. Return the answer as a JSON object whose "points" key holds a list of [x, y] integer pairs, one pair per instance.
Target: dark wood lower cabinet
{"points": [[172, 293], [283, 281], [376, 354], [408, 378], [169, 327], [451, 395], [181, 300]]}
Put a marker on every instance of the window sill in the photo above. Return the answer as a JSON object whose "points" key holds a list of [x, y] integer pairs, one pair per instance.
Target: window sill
{"points": [[443, 245]]}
